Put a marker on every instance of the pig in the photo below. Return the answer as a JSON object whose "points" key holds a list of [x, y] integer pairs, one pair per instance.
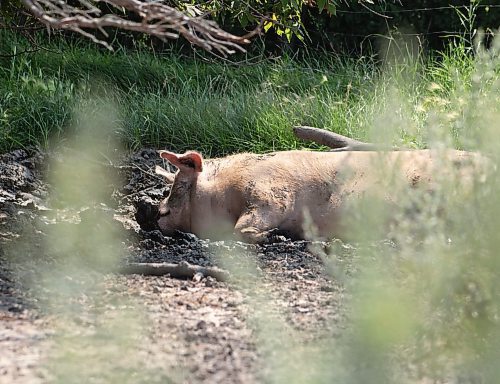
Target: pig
{"points": [[254, 196]]}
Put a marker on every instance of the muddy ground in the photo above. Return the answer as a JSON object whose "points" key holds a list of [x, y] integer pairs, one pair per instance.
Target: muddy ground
{"points": [[66, 315], [72, 310]]}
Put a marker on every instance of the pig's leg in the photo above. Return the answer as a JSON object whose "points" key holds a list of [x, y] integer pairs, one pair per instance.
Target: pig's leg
{"points": [[255, 226]]}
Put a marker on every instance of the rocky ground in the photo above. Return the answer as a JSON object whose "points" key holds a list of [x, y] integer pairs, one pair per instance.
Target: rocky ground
{"points": [[67, 313]]}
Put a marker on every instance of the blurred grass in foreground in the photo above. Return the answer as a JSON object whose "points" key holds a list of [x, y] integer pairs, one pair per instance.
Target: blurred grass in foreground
{"points": [[98, 333], [424, 304]]}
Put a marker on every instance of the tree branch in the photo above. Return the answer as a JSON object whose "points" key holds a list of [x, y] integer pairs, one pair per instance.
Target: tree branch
{"points": [[183, 270], [334, 140], [157, 19]]}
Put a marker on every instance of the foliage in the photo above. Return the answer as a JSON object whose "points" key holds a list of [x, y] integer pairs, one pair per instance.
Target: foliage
{"points": [[9, 9], [355, 26], [284, 17], [359, 27]]}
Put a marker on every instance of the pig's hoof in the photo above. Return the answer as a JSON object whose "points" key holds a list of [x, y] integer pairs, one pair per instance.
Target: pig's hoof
{"points": [[185, 236], [277, 238], [253, 235]]}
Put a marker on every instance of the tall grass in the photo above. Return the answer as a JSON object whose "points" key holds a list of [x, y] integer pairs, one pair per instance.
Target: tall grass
{"points": [[181, 103]]}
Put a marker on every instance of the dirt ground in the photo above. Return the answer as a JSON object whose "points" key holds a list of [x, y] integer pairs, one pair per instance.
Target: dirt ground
{"points": [[67, 316]]}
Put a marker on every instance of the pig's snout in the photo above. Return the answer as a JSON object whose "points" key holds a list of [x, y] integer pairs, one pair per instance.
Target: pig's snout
{"points": [[147, 215]]}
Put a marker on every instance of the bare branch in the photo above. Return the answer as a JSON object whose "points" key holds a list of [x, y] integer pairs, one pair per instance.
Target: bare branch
{"points": [[157, 19], [334, 140], [183, 270]]}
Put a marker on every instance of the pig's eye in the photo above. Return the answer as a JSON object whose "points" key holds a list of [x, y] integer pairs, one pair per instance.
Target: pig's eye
{"points": [[164, 212]]}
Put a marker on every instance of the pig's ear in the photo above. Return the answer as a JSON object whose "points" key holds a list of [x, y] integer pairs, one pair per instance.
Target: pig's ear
{"points": [[190, 161], [169, 176]]}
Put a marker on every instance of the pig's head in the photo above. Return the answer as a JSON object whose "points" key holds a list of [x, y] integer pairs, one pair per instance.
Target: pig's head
{"points": [[174, 212]]}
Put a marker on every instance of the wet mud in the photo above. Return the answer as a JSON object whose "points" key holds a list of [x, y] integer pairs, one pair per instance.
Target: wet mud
{"points": [[166, 329]]}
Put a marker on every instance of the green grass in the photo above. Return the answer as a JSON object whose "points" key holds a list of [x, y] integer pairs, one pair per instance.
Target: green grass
{"points": [[217, 108]]}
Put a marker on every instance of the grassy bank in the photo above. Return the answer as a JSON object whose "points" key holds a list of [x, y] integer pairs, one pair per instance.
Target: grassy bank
{"points": [[180, 103]]}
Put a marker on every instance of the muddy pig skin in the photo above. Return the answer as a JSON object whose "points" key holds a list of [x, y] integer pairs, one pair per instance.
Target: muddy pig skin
{"points": [[296, 193]]}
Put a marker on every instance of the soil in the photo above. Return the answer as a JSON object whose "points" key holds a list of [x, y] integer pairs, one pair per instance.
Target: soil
{"points": [[67, 315]]}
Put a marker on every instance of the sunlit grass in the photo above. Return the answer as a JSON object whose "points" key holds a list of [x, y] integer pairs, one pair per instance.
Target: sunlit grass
{"points": [[218, 108]]}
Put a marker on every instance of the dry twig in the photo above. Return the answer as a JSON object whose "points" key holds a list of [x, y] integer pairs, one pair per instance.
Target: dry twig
{"points": [[335, 141], [183, 270], [157, 19]]}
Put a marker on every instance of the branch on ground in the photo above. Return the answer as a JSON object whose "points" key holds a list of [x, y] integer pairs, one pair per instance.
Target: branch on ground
{"points": [[157, 19], [182, 270], [335, 141]]}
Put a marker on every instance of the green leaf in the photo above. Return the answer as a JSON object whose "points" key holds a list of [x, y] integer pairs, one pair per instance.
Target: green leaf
{"points": [[267, 25], [288, 34], [331, 8], [321, 5], [243, 20]]}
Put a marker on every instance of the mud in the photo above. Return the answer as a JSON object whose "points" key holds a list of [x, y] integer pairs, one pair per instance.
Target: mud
{"points": [[68, 315], [195, 330]]}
